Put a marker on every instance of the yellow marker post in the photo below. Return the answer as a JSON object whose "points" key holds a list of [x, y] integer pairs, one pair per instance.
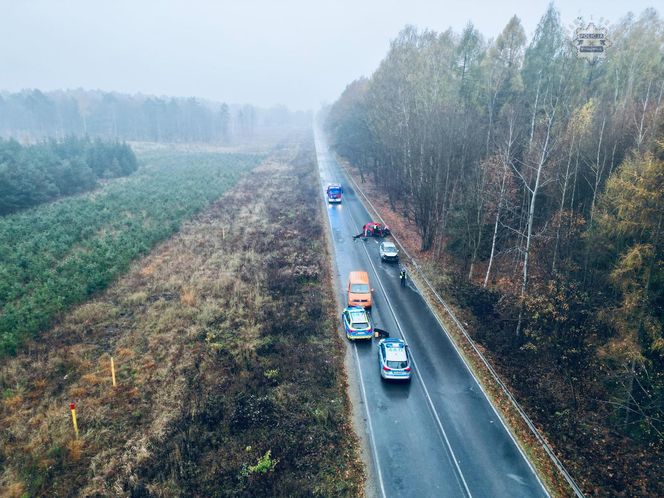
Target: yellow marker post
{"points": [[113, 371], [72, 407]]}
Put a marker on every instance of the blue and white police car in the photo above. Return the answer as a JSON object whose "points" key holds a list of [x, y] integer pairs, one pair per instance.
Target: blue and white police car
{"points": [[394, 359], [356, 323]]}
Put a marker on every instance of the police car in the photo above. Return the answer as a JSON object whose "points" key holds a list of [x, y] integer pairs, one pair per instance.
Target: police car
{"points": [[394, 359], [356, 323]]}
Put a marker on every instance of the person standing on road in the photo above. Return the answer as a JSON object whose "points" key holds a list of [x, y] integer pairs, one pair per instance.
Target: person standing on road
{"points": [[402, 276]]}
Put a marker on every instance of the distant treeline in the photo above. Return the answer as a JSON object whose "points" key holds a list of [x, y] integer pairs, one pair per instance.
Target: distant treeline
{"points": [[33, 115], [31, 175]]}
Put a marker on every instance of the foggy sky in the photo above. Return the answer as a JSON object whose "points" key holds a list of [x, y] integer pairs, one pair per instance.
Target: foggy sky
{"points": [[299, 53]]}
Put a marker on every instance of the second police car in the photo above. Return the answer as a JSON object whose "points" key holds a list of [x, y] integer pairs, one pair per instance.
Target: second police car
{"points": [[356, 323], [394, 359]]}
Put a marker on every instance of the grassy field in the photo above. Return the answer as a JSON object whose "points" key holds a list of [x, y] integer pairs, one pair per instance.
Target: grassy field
{"points": [[60, 254], [229, 364]]}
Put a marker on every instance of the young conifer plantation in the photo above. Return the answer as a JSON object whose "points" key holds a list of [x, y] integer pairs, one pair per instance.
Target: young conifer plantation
{"points": [[34, 174], [61, 253]]}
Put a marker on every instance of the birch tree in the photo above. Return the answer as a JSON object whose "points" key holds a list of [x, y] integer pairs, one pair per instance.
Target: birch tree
{"points": [[501, 172]]}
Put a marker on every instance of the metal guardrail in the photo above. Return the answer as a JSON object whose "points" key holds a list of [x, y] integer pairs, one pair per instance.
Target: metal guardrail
{"points": [[529, 423]]}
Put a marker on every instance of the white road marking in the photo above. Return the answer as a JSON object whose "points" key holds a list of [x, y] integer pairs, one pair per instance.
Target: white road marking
{"points": [[371, 434], [363, 389]]}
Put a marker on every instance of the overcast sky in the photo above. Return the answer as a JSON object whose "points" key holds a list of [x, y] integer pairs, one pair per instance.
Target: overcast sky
{"points": [[299, 53]]}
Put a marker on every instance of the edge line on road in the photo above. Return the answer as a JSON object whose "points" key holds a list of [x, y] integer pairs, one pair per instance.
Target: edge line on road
{"points": [[363, 393], [366, 410]]}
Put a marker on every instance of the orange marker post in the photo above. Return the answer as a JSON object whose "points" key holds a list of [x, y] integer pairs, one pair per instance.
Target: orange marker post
{"points": [[113, 371], [72, 407]]}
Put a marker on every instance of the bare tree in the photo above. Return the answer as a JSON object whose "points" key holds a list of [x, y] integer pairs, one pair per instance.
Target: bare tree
{"points": [[506, 163]]}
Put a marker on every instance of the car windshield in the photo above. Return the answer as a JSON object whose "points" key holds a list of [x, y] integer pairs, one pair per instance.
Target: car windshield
{"points": [[359, 288], [333, 191], [358, 317], [389, 248], [397, 364], [396, 356]]}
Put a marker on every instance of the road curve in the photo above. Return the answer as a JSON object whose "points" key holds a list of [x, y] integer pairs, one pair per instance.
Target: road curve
{"points": [[438, 435]]}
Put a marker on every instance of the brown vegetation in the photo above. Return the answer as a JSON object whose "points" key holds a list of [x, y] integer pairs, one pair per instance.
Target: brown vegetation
{"points": [[230, 379]]}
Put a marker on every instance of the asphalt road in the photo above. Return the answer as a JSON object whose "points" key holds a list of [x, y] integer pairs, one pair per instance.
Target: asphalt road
{"points": [[437, 435]]}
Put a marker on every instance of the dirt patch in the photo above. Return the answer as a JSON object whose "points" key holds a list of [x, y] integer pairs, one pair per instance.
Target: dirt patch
{"points": [[229, 368]]}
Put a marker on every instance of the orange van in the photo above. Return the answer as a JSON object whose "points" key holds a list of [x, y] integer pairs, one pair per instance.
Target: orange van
{"points": [[359, 291]]}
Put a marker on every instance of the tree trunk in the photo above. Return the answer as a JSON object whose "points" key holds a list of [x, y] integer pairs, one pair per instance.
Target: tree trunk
{"points": [[532, 123], [562, 206], [640, 135], [598, 179], [495, 225], [506, 161], [531, 214]]}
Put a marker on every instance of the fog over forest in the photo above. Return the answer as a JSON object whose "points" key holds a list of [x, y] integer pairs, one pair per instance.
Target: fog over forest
{"points": [[294, 52]]}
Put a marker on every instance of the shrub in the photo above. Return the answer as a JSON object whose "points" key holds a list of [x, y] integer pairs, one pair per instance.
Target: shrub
{"points": [[265, 464]]}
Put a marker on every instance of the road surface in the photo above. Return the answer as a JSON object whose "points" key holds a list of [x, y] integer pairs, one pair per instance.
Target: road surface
{"points": [[438, 435]]}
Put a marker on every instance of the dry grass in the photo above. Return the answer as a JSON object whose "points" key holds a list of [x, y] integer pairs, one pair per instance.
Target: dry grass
{"points": [[94, 312], [13, 490], [206, 363], [188, 297], [75, 448], [148, 271]]}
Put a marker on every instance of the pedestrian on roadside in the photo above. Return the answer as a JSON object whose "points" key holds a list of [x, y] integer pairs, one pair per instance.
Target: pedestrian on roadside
{"points": [[402, 276]]}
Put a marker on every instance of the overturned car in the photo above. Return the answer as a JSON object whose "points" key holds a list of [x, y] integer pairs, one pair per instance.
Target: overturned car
{"points": [[374, 229]]}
